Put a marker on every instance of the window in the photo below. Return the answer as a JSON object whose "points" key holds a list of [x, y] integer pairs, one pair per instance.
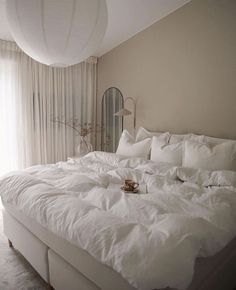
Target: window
{"points": [[8, 116]]}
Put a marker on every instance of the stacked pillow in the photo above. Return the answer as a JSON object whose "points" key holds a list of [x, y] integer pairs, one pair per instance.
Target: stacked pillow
{"points": [[163, 151], [221, 156], [144, 133], [189, 150], [128, 147], [171, 150]]}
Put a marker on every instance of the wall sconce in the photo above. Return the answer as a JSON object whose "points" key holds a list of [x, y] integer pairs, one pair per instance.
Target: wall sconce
{"points": [[124, 112]]}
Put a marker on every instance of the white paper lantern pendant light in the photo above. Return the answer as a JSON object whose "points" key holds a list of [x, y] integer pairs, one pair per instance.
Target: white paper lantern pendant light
{"points": [[58, 32]]}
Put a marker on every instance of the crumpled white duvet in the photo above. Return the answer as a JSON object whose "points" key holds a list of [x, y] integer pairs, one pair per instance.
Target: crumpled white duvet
{"points": [[151, 239]]}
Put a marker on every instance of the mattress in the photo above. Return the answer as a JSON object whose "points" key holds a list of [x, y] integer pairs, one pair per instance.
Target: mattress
{"points": [[216, 272]]}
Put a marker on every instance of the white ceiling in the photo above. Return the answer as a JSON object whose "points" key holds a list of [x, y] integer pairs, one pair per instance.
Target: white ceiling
{"points": [[125, 19]]}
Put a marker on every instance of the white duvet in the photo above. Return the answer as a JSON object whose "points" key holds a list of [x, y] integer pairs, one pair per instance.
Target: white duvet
{"points": [[151, 239]]}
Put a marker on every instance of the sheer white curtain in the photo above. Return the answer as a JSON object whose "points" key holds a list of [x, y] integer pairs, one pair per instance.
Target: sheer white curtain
{"points": [[8, 108], [31, 96]]}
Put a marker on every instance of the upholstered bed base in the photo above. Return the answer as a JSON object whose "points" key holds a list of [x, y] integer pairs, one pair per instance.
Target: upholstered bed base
{"points": [[61, 264], [35, 251], [65, 266]]}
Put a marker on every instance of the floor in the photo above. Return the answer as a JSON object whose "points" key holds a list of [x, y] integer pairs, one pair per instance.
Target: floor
{"points": [[15, 272]]}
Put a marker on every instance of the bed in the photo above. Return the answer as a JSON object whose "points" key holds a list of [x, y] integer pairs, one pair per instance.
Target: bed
{"points": [[77, 228]]}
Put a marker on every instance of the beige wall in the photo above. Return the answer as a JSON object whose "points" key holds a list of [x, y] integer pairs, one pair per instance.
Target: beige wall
{"points": [[182, 70]]}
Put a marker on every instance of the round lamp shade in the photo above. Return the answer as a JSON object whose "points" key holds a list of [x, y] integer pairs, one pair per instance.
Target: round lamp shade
{"points": [[123, 112], [58, 32]]}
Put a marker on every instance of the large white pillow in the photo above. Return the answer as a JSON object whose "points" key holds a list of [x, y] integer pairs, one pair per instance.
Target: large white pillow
{"points": [[215, 141], [162, 151], [144, 133], [128, 147], [219, 157], [176, 138]]}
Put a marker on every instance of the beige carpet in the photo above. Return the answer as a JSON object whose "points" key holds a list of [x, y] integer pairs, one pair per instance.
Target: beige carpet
{"points": [[15, 272]]}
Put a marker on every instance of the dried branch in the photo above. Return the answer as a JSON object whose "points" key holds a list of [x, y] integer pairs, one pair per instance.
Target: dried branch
{"points": [[81, 129]]}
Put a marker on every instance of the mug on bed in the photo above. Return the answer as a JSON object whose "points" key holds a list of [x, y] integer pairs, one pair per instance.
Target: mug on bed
{"points": [[130, 185]]}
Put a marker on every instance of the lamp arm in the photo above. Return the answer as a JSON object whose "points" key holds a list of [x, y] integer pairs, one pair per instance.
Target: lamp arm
{"points": [[134, 104]]}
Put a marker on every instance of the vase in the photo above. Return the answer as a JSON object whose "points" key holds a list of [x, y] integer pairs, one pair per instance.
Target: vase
{"points": [[84, 147]]}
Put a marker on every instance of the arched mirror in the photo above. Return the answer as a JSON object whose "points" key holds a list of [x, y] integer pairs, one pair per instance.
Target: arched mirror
{"points": [[112, 126]]}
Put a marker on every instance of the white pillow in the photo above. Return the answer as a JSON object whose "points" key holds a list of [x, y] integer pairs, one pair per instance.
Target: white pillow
{"points": [[128, 147], [196, 138], [176, 138], [144, 133], [215, 141], [161, 151], [218, 157]]}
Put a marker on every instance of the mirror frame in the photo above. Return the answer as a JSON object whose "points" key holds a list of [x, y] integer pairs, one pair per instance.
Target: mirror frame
{"points": [[102, 112]]}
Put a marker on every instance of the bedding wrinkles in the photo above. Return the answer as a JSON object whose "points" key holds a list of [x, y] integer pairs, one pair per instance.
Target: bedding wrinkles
{"points": [[151, 239]]}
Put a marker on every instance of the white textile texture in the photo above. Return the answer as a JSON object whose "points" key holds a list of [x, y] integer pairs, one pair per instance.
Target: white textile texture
{"points": [[152, 238], [31, 96]]}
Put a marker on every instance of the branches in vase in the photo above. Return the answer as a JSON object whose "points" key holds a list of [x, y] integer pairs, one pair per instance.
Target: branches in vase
{"points": [[81, 129]]}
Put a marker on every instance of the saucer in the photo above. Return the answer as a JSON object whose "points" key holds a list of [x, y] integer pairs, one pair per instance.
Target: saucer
{"points": [[129, 191]]}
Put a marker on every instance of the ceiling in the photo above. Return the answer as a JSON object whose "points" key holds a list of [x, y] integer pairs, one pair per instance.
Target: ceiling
{"points": [[125, 19]]}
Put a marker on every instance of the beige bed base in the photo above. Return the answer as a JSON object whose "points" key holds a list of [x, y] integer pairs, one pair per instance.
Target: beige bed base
{"points": [[65, 266]]}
